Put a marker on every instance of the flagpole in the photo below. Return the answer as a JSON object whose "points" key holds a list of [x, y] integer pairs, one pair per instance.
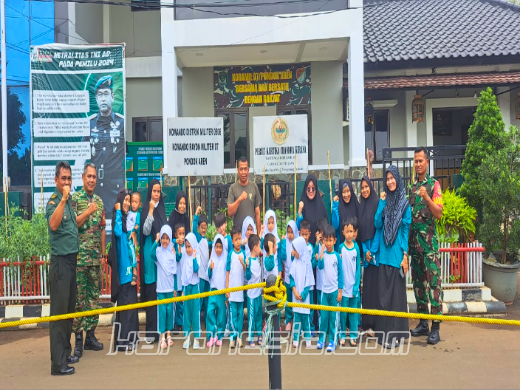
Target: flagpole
{"points": [[330, 181], [189, 200], [295, 165]]}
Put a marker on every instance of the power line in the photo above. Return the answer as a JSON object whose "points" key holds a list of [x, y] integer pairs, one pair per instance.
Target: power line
{"points": [[44, 25]]}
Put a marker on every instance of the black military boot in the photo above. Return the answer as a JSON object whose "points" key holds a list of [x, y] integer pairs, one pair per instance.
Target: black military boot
{"points": [[421, 330], [434, 336], [91, 342], [78, 348]]}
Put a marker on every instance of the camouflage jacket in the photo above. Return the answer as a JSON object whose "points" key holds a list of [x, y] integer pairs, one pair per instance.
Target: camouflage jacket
{"points": [[90, 232], [423, 232]]}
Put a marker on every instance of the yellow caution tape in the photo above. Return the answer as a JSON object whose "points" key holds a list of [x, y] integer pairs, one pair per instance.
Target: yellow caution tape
{"points": [[280, 296]]}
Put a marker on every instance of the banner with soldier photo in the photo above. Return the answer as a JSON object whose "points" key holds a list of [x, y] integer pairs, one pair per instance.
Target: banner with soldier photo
{"points": [[78, 115]]}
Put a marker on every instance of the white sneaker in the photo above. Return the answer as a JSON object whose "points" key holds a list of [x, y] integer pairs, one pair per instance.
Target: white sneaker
{"points": [[308, 345], [186, 343], [295, 344], [227, 332], [196, 344]]}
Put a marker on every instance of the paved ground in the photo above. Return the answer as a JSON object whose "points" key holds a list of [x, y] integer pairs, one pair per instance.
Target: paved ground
{"points": [[470, 356]]}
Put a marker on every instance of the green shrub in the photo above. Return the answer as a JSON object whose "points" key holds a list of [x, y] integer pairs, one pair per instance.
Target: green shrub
{"points": [[26, 239], [500, 190], [486, 135], [458, 218]]}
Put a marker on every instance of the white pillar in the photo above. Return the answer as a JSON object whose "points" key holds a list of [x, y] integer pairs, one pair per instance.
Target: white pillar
{"points": [[356, 101], [504, 102], [169, 73], [411, 127]]}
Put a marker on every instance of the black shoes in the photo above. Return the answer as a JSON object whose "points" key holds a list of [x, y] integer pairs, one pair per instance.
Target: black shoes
{"points": [[64, 371], [72, 359], [421, 330], [91, 343], [78, 348], [434, 336]]}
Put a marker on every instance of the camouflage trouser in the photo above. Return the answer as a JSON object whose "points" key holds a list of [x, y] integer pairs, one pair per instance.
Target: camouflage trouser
{"points": [[426, 276], [87, 297]]}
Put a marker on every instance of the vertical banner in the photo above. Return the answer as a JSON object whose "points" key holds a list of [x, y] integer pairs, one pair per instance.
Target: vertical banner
{"points": [[277, 141], [78, 115]]}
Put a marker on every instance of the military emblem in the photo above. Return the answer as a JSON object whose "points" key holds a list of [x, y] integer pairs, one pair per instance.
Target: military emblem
{"points": [[280, 131]]}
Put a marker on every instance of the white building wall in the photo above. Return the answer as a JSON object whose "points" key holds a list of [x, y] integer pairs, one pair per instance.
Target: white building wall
{"points": [[327, 112], [197, 92], [143, 99]]}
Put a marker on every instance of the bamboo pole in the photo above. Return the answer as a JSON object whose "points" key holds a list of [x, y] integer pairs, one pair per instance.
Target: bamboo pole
{"points": [[263, 192], [189, 200], [295, 165], [42, 188], [412, 180], [330, 181], [161, 181], [368, 164]]}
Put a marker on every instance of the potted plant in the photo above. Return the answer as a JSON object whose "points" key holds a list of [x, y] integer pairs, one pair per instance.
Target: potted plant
{"points": [[455, 226], [500, 228]]}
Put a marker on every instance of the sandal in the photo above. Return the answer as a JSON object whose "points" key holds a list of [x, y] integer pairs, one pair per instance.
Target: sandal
{"points": [[252, 344], [163, 344], [134, 280], [170, 341], [342, 343], [353, 343], [260, 340], [370, 333]]}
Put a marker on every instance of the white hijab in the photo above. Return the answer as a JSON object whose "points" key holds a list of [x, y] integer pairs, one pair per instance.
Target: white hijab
{"points": [[187, 266], [247, 222], [300, 246], [269, 214], [165, 255]]}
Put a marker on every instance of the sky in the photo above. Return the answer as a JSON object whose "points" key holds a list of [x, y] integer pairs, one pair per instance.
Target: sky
{"points": [[23, 16]]}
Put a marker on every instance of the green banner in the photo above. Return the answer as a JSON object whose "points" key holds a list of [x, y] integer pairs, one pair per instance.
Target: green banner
{"points": [[144, 161], [78, 115]]}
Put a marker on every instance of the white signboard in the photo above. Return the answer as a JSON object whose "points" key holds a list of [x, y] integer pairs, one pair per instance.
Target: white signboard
{"points": [[277, 140], [195, 145]]}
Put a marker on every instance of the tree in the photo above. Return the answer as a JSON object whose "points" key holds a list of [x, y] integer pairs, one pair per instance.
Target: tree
{"points": [[15, 120], [486, 136], [500, 185]]}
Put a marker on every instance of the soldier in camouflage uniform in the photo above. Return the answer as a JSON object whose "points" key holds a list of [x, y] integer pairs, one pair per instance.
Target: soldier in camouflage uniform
{"points": [[426, 203], [92, 242]]}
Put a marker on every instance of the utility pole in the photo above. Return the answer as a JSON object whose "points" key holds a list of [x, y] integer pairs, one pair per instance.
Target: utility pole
{"points": [[4, 99]]}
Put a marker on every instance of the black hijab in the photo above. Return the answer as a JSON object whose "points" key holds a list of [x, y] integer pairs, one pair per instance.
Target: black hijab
{"points": [[112, 253], [176, 217], [314, 209], [350, 209], [396, 204], [367, 212], [159, 220]]}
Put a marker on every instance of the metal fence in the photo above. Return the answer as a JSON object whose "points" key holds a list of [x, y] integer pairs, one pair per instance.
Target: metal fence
{"points": [[445, 163], [461, 267], [213, 198]]}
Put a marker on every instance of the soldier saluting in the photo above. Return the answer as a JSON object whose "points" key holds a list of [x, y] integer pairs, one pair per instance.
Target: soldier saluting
{"points": [[63, 237], [426, 204], [107, 142], [90, 219]]}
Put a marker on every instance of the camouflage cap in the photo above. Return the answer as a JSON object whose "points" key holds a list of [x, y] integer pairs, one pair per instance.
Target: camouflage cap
{"points": [[105, 82]]}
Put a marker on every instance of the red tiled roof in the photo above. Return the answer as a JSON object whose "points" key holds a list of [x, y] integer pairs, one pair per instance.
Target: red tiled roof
{"points": [[442, 80]]}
